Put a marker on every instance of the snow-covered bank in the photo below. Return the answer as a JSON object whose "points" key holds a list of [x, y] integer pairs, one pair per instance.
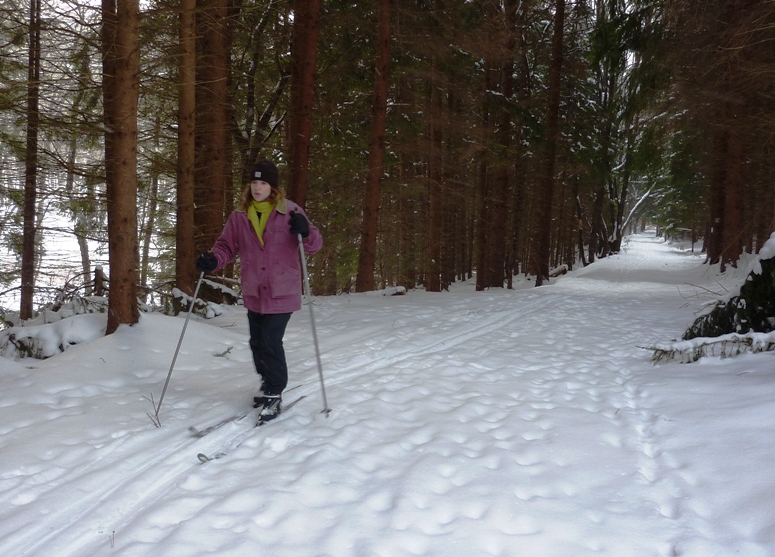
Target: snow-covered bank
{"points": [[522, 422]]}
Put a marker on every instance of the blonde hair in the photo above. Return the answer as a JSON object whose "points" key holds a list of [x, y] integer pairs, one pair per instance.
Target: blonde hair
{"points": [[246, 198]]}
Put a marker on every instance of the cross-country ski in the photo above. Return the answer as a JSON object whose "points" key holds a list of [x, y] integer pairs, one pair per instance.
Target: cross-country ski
{"points": [[204, 458]]}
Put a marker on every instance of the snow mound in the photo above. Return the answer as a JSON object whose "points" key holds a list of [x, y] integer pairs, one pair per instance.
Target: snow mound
{"points": [[44, 341]]}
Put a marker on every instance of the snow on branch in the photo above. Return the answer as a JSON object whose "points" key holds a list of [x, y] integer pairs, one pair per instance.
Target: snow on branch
{"points": [[44, 341], [744, 322], [724, 346], [635, 207]]}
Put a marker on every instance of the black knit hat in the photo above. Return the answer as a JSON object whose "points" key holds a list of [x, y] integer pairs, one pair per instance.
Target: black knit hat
{"points": [[266, 170]]}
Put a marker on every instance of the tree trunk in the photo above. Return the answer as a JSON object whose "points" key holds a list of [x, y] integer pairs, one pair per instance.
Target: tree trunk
{"points": [[212, 165], [407, 198], [108, 40], [122, 191], [597, 222], [481, 222], [580, 220], [552, 135], [435, 210], [31, 164], [368, 251], [451, 200], [717, 195], [408, 223], [501, 186], [482, 190], [148, 226], [515, 216], [148, 222], [303, 59], [185, 250], [732, 234], [630, 131], [80, 226], [519, 224]]}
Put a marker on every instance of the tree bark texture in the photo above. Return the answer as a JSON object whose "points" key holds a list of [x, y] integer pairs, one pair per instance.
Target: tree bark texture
{"points": [[450, 198], [108, 40], [435, 175], [502, 179], [148, 219], [303, 60], [546, 191], [368, 250], [185, 252], [717, 195], [31, 164], [734, 176], [212, 165], [122, 191], [520, 224], [483, 189]]}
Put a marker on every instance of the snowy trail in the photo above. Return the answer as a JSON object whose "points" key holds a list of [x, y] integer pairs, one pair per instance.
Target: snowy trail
{"points": [[128, 480], [447, 461], [499, 423]]}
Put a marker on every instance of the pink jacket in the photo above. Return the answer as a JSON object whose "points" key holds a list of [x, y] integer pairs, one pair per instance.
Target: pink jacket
{"points": [[271, 274]]}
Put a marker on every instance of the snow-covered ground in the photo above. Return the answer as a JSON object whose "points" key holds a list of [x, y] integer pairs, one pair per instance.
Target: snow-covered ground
{"points": [[505, 423]]}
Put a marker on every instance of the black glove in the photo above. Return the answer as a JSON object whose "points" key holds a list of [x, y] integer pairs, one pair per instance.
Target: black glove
{"points": [[206, 263], [299, 224]]}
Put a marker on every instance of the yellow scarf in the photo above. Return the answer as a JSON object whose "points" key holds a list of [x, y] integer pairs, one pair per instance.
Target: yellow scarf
{"points": [[258, 214]]}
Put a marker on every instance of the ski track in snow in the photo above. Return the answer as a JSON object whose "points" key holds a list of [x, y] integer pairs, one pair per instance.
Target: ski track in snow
{"points": [[526, 423]]}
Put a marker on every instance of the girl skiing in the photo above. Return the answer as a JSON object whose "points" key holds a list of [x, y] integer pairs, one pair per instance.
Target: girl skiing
{"points": [[264, 230]]}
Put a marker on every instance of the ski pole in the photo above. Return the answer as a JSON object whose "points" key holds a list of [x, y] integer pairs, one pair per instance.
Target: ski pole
{"points": [[180, 341], [326, 409]]}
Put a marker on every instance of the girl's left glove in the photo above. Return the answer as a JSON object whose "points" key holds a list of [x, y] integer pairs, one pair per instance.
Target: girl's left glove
{"points": [[206, 263], [299, 224]]}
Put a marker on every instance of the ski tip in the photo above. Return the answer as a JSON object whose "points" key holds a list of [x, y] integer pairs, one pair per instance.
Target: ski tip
{"points": [[203, 457]]}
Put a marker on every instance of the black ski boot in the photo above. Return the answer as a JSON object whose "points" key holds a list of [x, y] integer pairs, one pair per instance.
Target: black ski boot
{"points": [[270, 407]]}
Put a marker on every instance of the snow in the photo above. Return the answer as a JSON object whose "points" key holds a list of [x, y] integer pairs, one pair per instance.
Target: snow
{"points": [[767, 251], [758, 341], [57, 336], [507, 422]]}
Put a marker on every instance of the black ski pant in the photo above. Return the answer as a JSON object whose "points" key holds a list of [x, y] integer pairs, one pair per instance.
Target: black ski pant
{"points": [[266, 343]]}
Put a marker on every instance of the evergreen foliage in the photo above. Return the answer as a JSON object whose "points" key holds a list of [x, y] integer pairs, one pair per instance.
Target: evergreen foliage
{"points": [[753, 310], [658, 97]]}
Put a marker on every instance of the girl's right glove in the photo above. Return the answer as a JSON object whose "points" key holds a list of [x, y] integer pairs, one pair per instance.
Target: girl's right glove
{"points": [[299, 224]]}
